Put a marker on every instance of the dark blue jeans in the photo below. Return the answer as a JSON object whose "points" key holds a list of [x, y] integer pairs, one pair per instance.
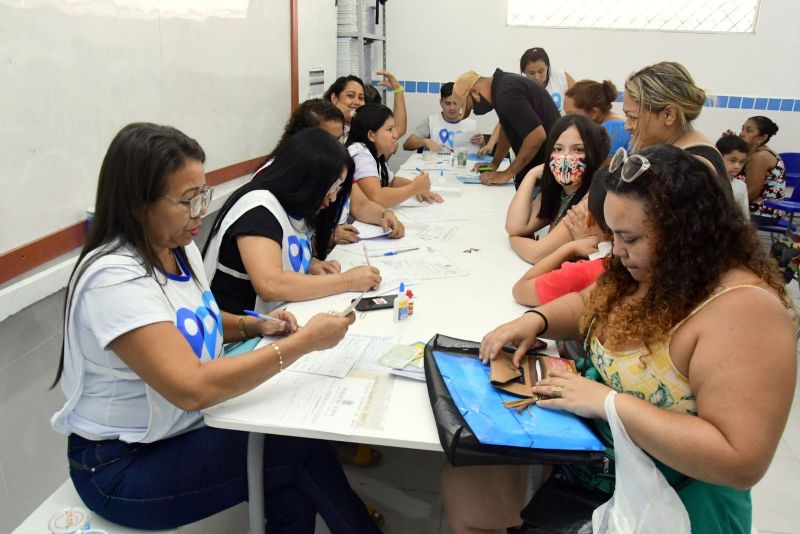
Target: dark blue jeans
{"points": [[185, 478]]}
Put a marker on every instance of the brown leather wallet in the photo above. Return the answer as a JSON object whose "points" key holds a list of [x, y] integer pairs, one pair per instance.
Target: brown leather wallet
{"points": [[520, 380]]}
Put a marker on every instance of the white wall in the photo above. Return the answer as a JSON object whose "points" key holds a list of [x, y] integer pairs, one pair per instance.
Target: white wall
{"points": [[437, 41], [316, 41], [73, 73]]}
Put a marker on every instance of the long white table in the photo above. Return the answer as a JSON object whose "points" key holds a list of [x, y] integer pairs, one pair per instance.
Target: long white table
{"points": [[465, 307]]}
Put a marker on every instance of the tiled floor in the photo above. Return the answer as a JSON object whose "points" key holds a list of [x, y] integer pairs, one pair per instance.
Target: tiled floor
{"points": [[405, 487]]}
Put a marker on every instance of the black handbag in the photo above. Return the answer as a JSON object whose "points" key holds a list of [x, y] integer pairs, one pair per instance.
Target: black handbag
{"points": [[460, 445]]}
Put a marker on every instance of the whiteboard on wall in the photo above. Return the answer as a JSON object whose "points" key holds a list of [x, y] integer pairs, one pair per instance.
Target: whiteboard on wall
{"points": [[73, 73]]}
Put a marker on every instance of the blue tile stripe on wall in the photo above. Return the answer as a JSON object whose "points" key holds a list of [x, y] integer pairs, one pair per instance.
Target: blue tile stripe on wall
{"points": [[713, 101]]}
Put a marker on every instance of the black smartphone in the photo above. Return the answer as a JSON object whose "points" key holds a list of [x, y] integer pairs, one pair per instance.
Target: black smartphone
{"points": [[376, 303]]}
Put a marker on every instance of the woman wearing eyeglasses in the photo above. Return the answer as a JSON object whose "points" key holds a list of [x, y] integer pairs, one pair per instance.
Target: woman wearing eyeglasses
{"points": [[142, 355], [690, 324], [259, 251]]}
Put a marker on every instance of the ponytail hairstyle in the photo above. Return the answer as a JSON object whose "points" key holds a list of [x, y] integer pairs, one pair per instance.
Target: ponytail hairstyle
{"points": [[370, 118], [532, 55], [666, 84], [765, 126], [589, 94]]}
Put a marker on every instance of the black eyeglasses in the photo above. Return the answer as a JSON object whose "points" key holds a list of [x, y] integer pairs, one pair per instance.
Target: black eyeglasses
{"points": [[632, 166], [197, 203]]}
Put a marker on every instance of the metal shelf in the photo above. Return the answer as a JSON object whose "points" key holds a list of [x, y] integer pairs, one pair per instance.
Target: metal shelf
{"points": [[366, 38]]}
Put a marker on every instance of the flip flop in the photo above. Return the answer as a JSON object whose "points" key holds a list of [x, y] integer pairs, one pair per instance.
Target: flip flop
{"points": [[364, 455]]}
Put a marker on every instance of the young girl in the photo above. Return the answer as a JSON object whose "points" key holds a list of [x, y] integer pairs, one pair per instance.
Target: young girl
{"points": [[259, 251], [556, 275], [577, 148], [371, 141]]}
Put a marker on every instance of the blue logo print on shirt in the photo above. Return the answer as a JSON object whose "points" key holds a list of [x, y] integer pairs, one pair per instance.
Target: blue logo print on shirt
{"points": [[202, 326], [299, 253], [556, 99], [446, 136]]}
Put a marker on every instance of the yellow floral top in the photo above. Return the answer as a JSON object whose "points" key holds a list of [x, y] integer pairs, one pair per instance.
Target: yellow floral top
{"points": [[650, 375]]}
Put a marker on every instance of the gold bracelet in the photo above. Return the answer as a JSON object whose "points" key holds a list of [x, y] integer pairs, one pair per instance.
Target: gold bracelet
{"points": [[398, 89], [280, 356], [242, 331]]}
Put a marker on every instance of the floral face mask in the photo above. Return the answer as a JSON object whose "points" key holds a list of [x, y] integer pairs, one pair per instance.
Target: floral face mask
{"points": [[567, 168]]}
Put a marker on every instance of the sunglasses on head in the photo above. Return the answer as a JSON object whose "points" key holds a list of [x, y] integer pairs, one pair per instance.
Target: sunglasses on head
{"points": [[633, 166]]}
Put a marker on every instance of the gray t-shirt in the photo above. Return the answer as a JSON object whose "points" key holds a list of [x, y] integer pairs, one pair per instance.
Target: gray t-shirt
{"points": [[423, 129]]}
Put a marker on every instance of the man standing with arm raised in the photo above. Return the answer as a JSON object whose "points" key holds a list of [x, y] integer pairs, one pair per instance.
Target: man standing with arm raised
{"points": [[526, 112]]}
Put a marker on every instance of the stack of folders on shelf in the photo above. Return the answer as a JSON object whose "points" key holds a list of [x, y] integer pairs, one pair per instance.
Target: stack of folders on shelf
{"points": [[347, 56], [346, 18]]}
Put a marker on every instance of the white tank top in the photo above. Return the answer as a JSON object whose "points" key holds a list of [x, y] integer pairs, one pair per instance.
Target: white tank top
{"points": [[557, 87]]}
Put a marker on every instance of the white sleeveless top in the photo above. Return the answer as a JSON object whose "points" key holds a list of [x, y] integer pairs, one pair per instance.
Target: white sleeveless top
{"points": [[557, 87], [295, 246]]}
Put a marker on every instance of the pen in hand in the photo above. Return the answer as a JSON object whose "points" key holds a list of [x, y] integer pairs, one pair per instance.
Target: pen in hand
{"points": [[267, 317], [366, 256]]}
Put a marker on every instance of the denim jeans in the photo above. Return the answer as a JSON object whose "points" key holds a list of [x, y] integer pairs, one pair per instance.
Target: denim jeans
{"points": [[185, 478]]}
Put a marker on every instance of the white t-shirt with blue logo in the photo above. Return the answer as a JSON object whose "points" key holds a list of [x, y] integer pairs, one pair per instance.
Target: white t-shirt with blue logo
{"points": [[105, 398]]}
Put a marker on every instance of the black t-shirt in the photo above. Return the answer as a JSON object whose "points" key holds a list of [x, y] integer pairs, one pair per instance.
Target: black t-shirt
{"points": [[522, 106], [234, 294]]}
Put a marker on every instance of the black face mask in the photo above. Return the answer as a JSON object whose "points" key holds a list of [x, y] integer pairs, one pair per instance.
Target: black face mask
{"points": [[482, 106]]}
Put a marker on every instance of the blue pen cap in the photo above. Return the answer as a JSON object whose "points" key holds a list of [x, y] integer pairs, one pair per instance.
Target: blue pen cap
{"points": [[402, 288]]}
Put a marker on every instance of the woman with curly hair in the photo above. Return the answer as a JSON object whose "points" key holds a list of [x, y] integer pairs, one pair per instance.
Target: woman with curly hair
{"points": [[689, 319]]}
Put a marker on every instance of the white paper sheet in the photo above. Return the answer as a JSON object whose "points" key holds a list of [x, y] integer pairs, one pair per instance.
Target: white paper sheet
{"points": [[301, 400], [424, 266], [339, 360], [463, 140], [380, 245], [432, 213], [369, 231], [433, 232]]}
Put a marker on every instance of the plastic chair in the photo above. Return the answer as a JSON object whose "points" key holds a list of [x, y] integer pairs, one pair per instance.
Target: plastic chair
{"points": [[791, 162], [789, 206]]}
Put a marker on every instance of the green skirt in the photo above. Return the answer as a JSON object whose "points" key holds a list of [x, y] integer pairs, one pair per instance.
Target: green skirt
{"points": [[712, 509]]}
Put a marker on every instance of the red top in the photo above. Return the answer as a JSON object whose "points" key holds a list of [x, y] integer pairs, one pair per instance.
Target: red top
{"points": [[571, 277]]}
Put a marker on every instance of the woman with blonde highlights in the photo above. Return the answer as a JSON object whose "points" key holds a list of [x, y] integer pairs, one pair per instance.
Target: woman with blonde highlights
{"points": [[660, 102], [690, 321]]}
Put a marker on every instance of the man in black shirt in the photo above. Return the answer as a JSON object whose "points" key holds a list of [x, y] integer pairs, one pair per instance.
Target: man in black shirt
{"points": [[526, 112]]}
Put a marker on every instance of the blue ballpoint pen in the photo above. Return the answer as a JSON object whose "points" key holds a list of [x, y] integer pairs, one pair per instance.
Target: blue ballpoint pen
{"points": [[395, 252], [264, 317]]}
